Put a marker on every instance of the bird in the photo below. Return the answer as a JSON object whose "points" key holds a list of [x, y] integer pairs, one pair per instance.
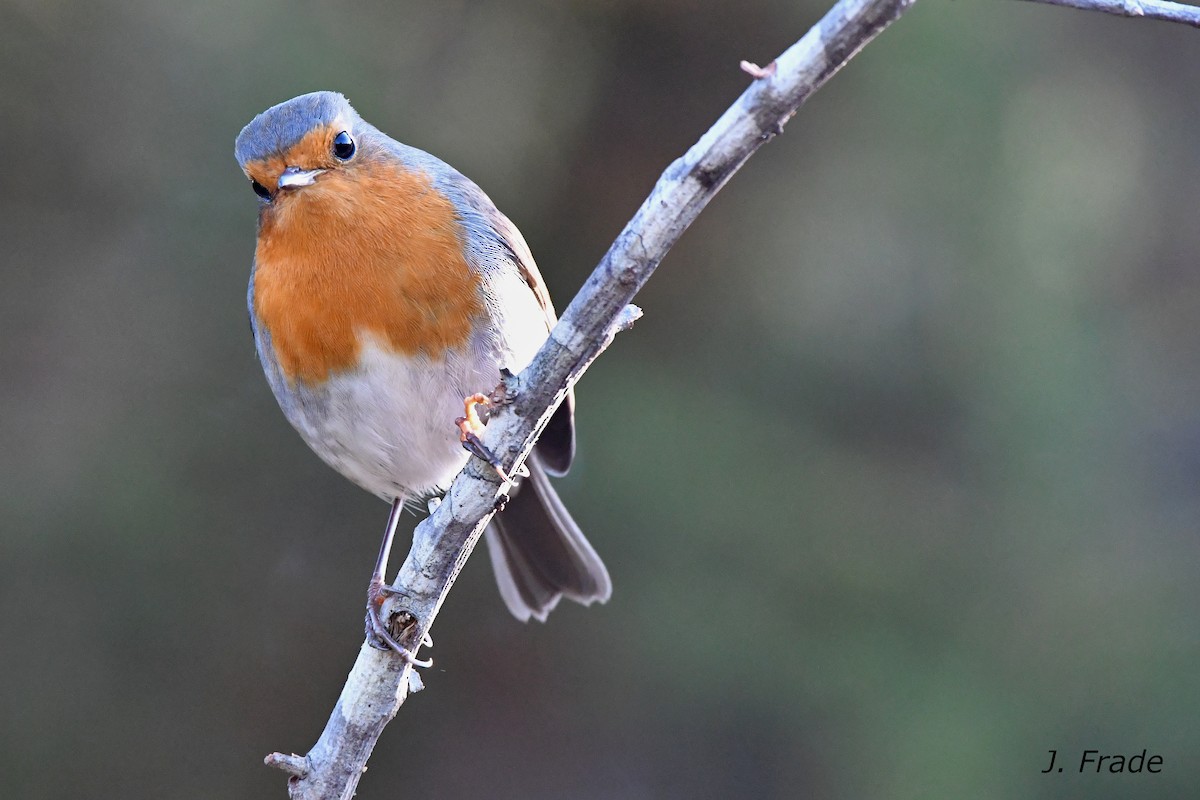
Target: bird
{"points": [[387, 294]]}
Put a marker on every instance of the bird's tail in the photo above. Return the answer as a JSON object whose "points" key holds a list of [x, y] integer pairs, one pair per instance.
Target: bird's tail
{"points": [[539, 554]]}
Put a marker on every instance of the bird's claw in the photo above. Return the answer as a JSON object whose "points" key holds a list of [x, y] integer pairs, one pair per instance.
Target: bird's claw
{"points": [[470, 427], [378, 632]]}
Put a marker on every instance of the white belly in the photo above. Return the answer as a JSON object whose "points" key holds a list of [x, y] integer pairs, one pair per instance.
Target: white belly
{"points": [[389, 425]]}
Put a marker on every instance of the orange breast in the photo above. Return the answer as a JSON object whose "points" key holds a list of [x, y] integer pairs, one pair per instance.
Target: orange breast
{"points": [[373, 250]]}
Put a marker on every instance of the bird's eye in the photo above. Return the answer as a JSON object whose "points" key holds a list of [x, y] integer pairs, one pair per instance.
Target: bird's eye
{"points": [[343, 146], [260, 190]]}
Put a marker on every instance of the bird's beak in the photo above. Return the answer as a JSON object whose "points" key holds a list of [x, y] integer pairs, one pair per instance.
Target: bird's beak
{"points": [[294, 177]]}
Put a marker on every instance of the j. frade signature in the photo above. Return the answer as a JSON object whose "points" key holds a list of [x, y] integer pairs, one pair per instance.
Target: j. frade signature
{"points": [[1095, 761]]}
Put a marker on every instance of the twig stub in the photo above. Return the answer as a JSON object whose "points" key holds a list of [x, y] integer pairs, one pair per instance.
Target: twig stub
{"points": [[757, 72], [294, 765]]}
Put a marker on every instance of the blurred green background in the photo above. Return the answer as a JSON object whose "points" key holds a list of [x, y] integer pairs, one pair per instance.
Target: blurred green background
{"points": [[896, 479]]}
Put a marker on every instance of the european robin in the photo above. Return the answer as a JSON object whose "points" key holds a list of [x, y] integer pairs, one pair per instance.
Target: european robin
{"points": [[386, 288]]}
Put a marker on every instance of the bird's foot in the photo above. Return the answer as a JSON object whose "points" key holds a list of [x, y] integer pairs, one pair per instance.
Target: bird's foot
{"points": [[470, 427], [382, 635]]}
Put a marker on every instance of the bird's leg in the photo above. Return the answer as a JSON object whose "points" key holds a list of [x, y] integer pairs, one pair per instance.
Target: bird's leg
{"points": [[470, 426], [378, 634]]}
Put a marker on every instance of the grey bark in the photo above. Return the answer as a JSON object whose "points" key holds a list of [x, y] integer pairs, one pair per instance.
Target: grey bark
{"points": [[1151, 9]]}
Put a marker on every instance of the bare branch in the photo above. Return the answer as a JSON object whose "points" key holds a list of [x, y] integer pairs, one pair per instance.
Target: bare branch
{"points": [[1151, 9], [380, 681]]}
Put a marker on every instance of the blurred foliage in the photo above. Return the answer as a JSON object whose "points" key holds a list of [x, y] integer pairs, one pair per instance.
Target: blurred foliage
{"points": [[896, 479]]}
